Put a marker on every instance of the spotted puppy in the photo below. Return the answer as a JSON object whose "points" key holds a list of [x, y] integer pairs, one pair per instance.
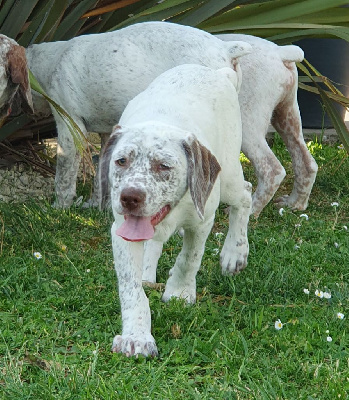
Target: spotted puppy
{"points": [[269, 94], [173, 157]]}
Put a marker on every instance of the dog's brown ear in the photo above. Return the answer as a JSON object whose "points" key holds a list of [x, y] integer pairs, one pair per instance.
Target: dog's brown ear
{"points": [[203, 170], [104, 167], [18, 71]]}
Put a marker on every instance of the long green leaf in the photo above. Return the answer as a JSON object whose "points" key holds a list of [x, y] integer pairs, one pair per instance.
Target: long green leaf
{"points": [[271, 12], [78, 136], [325, 31], [200, 13], [35, 25], [126, 13], [14, 125], [336, 119], [71, 24], [18, 15], [158, 13], [52, 21], [5, 9]]}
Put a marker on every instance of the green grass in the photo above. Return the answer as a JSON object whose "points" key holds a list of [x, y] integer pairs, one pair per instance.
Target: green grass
{"points": [[59, 313]]}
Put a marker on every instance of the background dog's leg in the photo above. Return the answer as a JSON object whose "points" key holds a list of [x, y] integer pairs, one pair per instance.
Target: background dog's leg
{"points": [[68, 161], [269, 171], [182, 280], [152, 253], [94, 200], [136, 335], [287, 121], [235, 250]]}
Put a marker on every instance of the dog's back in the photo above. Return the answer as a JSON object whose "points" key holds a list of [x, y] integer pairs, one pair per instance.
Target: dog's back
{"points": [[94, 76]]}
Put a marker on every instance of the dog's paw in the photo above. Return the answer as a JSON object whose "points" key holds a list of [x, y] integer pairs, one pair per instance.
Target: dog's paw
{"points": [[291, 202], [233, 259], [132, 345], [90, 203], [186, 292]]}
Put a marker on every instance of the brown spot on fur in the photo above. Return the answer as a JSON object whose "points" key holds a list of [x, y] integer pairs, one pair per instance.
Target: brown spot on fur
{"points": [[18, 72], [203, 170]]}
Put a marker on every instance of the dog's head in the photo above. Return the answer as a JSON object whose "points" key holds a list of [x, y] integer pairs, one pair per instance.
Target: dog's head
{"points": [[15, 93], [149, 169]]}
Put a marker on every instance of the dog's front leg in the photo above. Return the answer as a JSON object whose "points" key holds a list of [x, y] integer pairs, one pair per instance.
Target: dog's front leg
{"points": [[136, 335], [68, 161]]}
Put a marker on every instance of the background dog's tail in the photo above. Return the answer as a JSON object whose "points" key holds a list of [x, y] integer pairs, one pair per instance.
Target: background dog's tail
{"points": [[238, 48], [291, 53]]}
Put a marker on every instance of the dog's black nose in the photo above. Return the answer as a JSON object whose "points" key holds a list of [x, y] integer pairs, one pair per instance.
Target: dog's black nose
{"points": [[132, 198]]}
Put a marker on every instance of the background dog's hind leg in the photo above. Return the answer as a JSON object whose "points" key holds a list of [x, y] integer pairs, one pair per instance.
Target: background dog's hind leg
{"points": [[287, 121]]}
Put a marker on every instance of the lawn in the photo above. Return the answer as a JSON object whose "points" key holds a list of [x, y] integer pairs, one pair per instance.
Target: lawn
{"points": [[60, 312]]}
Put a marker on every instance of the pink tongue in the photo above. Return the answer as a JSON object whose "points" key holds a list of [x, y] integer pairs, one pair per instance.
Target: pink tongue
{"points": [[136, 229]]}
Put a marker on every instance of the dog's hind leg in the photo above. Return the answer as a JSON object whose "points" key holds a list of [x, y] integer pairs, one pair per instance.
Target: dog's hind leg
{"points": [[270, 173], [152, 253], [287, 121]]}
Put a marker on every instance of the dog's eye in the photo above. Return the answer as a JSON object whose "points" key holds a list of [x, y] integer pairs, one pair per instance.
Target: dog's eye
{"points": [[164, 167], [121, 161]]}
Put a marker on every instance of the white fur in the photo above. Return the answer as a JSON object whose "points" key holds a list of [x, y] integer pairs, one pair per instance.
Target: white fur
{"points": [[185, 105], [269, 93]]}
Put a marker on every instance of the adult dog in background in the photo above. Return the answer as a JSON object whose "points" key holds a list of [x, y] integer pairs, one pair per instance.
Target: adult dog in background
{"points": [[173, 157], [269, 94]]}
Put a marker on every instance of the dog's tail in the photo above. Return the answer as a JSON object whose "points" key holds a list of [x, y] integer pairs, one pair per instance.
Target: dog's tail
{"points": [[291, 53], [238, 49]]}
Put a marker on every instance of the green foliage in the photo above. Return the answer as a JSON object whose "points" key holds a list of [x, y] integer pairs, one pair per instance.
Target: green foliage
{"points": [[59, 313]]}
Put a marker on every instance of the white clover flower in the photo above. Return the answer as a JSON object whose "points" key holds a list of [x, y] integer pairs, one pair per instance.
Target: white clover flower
{"points": [[327, 331], [336, 245], [37, 255], [319, 293], [215, 251], [340, 315], [345, 227], [278, 325], [329, 339], [327, 295], [281, 211], [94, 352], [306, 291], [88, 270], [304, 216], [334, 204]]}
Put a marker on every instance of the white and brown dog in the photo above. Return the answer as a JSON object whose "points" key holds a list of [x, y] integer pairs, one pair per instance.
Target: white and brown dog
{"points": [[173, 157], [94, 76], [269, 94]]}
